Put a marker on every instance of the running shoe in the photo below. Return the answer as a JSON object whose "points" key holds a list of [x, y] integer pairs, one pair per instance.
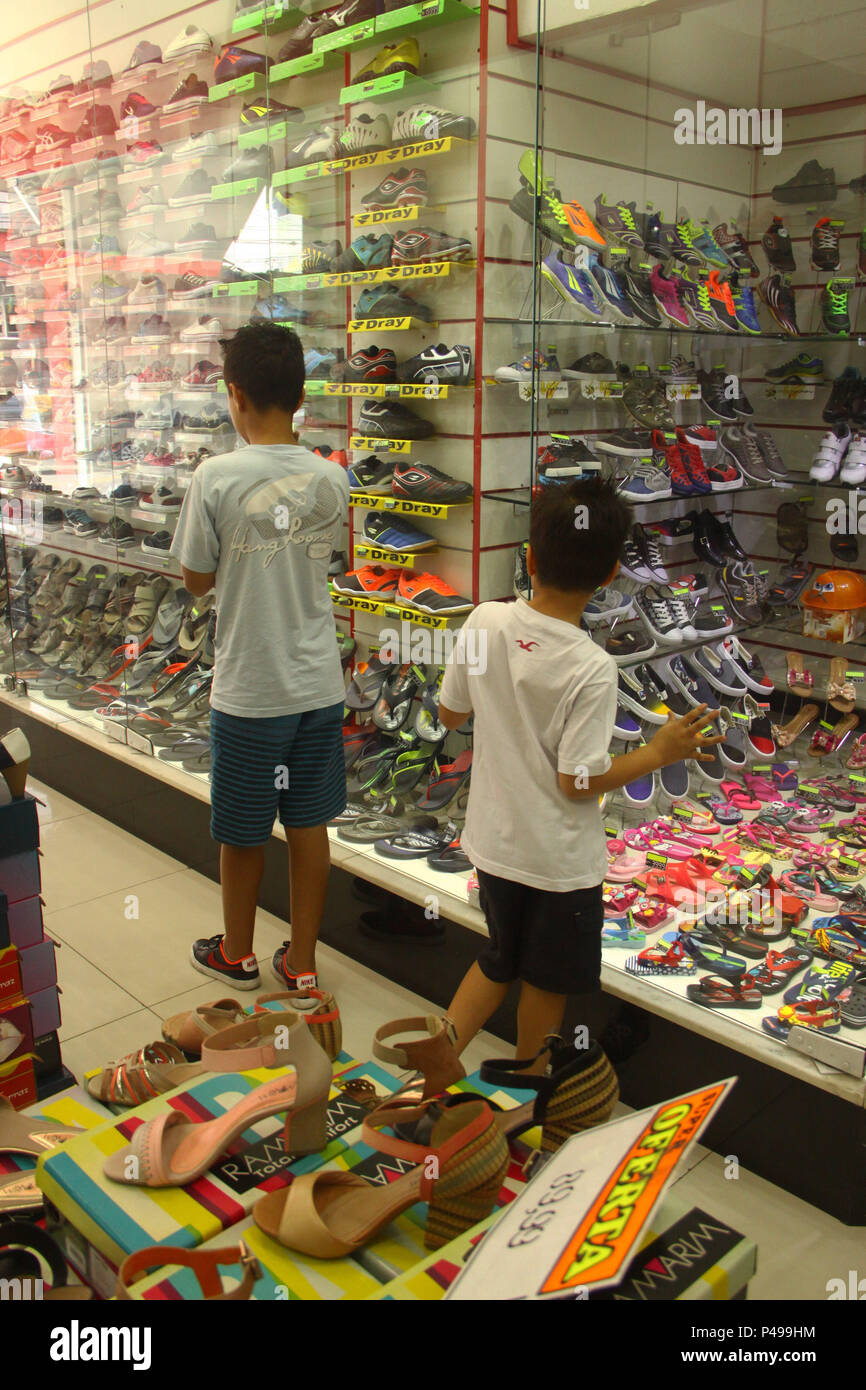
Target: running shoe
{"points": [[403, 187], [618, 221], [424, 245], [438, 363], [365, 134], [638, 290], [575, 285], [232, 61], [372, 474], [373, 581], [540, 204], [430, 123], [366, 252], [430, 594], [834, 307], [391, 420], [824, 244], [736, 248], [390, 302], [801, 368], [615, 302], [665, 292], [776, 242], [370, 364], [395, 533], [694, 296], [419, 482], [746, 310]]}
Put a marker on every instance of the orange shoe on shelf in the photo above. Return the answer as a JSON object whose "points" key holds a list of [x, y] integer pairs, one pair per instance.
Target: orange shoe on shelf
{"points": [[430, 594], [373, 581]]}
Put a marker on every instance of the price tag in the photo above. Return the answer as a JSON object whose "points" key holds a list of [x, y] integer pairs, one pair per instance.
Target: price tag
{"points": [[735, 714], [856, 777], [747, 874], [703, 796], [854, 675], [762, 767], [848, 863], [717, 607], [659, 859], [825, 725], [612, 831]]}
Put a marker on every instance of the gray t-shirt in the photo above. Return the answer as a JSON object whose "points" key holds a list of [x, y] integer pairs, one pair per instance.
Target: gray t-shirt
{"points": [[266, 518]]}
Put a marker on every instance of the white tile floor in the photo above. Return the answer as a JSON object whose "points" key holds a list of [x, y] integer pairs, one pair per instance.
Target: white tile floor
{"points": [[105, 890]]}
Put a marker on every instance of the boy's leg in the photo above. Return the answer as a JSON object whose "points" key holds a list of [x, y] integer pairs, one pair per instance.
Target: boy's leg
{"points": [[538, 1015], [486, 983], [476, 999], [309, 866], [241, 868]]}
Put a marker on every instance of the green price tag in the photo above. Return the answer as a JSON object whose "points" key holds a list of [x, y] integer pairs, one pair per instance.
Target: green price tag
{"points": [[808, 787], [848, 863], [747, 875], [717, 607], [683, 812], [660, 859], [419, 673], [612, 831], [856, 777], [826, 825], [825, 725], [737, 715], [854, 675], [703, 796], [762, 767], [630, 917]]}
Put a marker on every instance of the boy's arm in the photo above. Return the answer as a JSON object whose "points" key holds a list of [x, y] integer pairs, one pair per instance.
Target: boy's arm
{"points": [[450, 718], [198, 584], [196, 544], [674, 741], [455, 685]]}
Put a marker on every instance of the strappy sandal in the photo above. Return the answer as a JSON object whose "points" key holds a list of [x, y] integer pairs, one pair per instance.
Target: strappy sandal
{"points": [[20, 1134], [828, 738], [800, 679], [841, 693], [151, 1071], [617, 900], [196, 619], [833, 942], [187, 1031], [716, 992], [619, 931], [432, 1057], [23, 1245], [664, 958], [148, 597], [427, 723], [170, 1150], [319, 1011], [332, 1214], [786, 734], [203, 1263]]}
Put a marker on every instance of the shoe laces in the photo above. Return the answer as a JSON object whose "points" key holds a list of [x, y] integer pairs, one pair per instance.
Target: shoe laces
{"points": [[838, 296], [627, 216], [825, 237]]}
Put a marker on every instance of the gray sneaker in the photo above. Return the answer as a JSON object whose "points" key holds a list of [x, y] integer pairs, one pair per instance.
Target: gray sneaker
{"points": [[741, 445], [646, 402], [769, 452]]}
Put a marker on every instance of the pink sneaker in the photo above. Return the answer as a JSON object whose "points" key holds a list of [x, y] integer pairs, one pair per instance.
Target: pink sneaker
{"points": [[666, 296]]}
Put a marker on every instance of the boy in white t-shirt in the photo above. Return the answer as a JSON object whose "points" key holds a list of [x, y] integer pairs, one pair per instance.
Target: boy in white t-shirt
{"points": [[544, 695]]}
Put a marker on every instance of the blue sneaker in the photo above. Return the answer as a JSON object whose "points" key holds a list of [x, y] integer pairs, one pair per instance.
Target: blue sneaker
{"points": [[103, 246], [277, 308], [318, 364], [395, 533], [746, 310], [366, 253], [702, 240], [576, 286], [616, 303], [389, 302]]}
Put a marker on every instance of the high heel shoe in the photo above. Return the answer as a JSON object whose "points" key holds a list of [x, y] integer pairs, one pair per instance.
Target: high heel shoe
{"points": [[170, 1150], [433, 1056], [579, 1092], [14, 761], [332, 1214], [322, 1019]]}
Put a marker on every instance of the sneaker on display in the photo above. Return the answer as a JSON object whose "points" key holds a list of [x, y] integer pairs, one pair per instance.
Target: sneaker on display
{"points": [[401, 188], [198, 145], [146, 198], [779, 298], [655, 612], [419, 482], [776, 242], [853, 470], [801, 368], [193, 286], [438, 363], [608, 604], [233, 61], [736, 248], [824, 244], [430, 123], [810, 184], [366, 252], [195, 188], [430, 594], [391, 420], [191, 41], [318, 145], [395, 533], [618, 222], [397, 57], [372, 474], [365, 134], [425, 245], [834, 307], [576, 286], [830, 453]]}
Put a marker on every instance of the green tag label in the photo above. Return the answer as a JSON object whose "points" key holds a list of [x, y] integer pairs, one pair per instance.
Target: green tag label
{"points": [[762, 767], [418, 671], [683, 812], [703, 796], [748, 875], [854, 675], [856, 777], [612, 831], [660, 859], [826, 825], [717, 607], [848, 863], [825, 725], [808, 787], [629, 916], [735, 714]]}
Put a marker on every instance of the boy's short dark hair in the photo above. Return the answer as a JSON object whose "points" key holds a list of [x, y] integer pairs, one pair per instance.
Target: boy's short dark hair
{"points": [[266, 360], [577, 533]]}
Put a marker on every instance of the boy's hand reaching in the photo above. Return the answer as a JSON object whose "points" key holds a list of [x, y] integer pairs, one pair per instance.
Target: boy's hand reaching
{"points": [[685, 737]]}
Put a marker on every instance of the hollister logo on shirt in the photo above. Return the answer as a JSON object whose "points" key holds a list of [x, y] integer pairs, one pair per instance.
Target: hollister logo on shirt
{"points": [[527, 646]]}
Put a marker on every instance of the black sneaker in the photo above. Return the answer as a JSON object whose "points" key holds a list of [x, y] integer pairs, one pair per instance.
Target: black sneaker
{"points": [[386, 302], [629, 646], [810, 184], [834, 307], [117, 532], [717, 399], [393, 421], [208, 958], [655, 612], [740, 583], [370, 364], [629, 443], [640, 296], [590, 366], [438, 363], [712, 619], [842, 403], [779, 299], [418, 482], [776, 242], [824, 244], [307, 980], [159, 543]]}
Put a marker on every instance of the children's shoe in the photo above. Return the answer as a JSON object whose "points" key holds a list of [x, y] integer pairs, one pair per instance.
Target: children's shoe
{"points": [[306, 980], [209, 958]]}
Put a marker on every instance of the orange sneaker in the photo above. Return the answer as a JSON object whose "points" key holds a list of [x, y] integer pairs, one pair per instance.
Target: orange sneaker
{"points": [[430, 594], [373, 581]]}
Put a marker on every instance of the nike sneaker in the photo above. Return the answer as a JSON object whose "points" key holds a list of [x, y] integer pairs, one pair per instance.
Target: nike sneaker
{"points": [[824, 244], [373, 581], [369, 364], [395, 533], [393, 420], [665, 292], [419, 482], [366, 253], [429, 594], [390, 302], [778, 296], [233, 61], [365, 135], [372, 474], [618, 221], [575, 285], [776, 242], [264, 112], [736, 248], [425, 245], [402, 188], [637, 289], [310, 149], [430, 123], [834, 307], [438, 363], [393, 58]]}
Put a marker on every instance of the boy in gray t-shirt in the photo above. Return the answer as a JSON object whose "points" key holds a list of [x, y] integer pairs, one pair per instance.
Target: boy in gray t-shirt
{"points": [[258, 525]]}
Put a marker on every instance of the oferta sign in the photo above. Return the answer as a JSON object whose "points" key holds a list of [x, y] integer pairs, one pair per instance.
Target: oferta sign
{"points": [[575, 1225]]}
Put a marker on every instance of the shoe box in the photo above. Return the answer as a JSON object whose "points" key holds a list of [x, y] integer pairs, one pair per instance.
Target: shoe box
{"points": [[27, 973], [20, 872], [21, 923]]}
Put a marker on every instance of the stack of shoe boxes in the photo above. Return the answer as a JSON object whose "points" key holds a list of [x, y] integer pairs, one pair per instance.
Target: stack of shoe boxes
{"points": [[30, 1064]]}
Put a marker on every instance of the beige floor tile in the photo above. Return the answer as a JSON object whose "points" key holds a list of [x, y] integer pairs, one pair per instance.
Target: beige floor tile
{"points": [[88, 997], [799, 1246], [85, 857], [108, 1043], [54, 806]]}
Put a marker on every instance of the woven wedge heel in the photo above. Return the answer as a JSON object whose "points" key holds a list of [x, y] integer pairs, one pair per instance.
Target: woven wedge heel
{"points": [[318, 1008], [578, 1091]]}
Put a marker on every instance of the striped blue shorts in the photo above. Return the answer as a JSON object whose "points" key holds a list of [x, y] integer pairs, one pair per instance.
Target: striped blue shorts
{"points": [[291, 766]]}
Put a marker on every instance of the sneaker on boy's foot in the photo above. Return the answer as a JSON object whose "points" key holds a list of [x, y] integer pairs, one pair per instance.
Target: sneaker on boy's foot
{"points": [[307, 979], [208, 958]]}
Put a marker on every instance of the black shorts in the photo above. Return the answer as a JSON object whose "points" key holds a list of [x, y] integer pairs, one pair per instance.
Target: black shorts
{"points": [[550, 940]]}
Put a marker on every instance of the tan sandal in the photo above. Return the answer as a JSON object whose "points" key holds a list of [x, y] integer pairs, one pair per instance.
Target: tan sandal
{"points": [[332, 1214], [841, 693], [20, 1134], [785, 734], [189, 1030], [154, 1069], [432, 1057], [171, 1150], [800, 679]]}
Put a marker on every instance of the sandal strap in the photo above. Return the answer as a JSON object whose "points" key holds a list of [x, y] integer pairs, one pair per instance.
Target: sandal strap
{"points": [[509, 1073], [433, 1056], [203, 1263], [407, 1113]]}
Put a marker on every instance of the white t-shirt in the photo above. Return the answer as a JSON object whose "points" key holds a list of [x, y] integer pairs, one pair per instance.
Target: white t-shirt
{"points": [[266, 518], [544, 700]]}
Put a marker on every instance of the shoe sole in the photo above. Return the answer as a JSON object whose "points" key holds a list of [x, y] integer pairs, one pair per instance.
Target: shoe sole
{"points": [[597, 619], [671, 639], [222, 976]]}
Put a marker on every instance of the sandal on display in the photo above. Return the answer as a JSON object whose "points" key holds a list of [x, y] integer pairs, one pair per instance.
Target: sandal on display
{"points": [[853, 1008], [664, 958], [367, 684], [578, 1090], [14, 761], [841, 693], [829, 738], [776, 970], [856, 759], [431, 1057], [706, 951], [19, 1134], [23, 1245], [18, 1192], [204, 1264], [319, 1011], [724, 993], [785, 734], [151, 1071], [329, 1214], [825, 1016], [619, 931], [800, 679], [188, 1031]]}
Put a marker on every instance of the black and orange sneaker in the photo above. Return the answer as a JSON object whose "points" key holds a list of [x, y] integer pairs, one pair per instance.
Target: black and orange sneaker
{"points": [[307, 979], [208, 958], [402, 187], [369, 364], [373, 581]]}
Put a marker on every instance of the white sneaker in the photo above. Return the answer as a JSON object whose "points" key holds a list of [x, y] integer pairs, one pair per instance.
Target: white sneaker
{"points": [[854, 468], [146, 244], [204, 143], [830, 453], [204, 327], [148, 290], [365, 133], [190, 40]]}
